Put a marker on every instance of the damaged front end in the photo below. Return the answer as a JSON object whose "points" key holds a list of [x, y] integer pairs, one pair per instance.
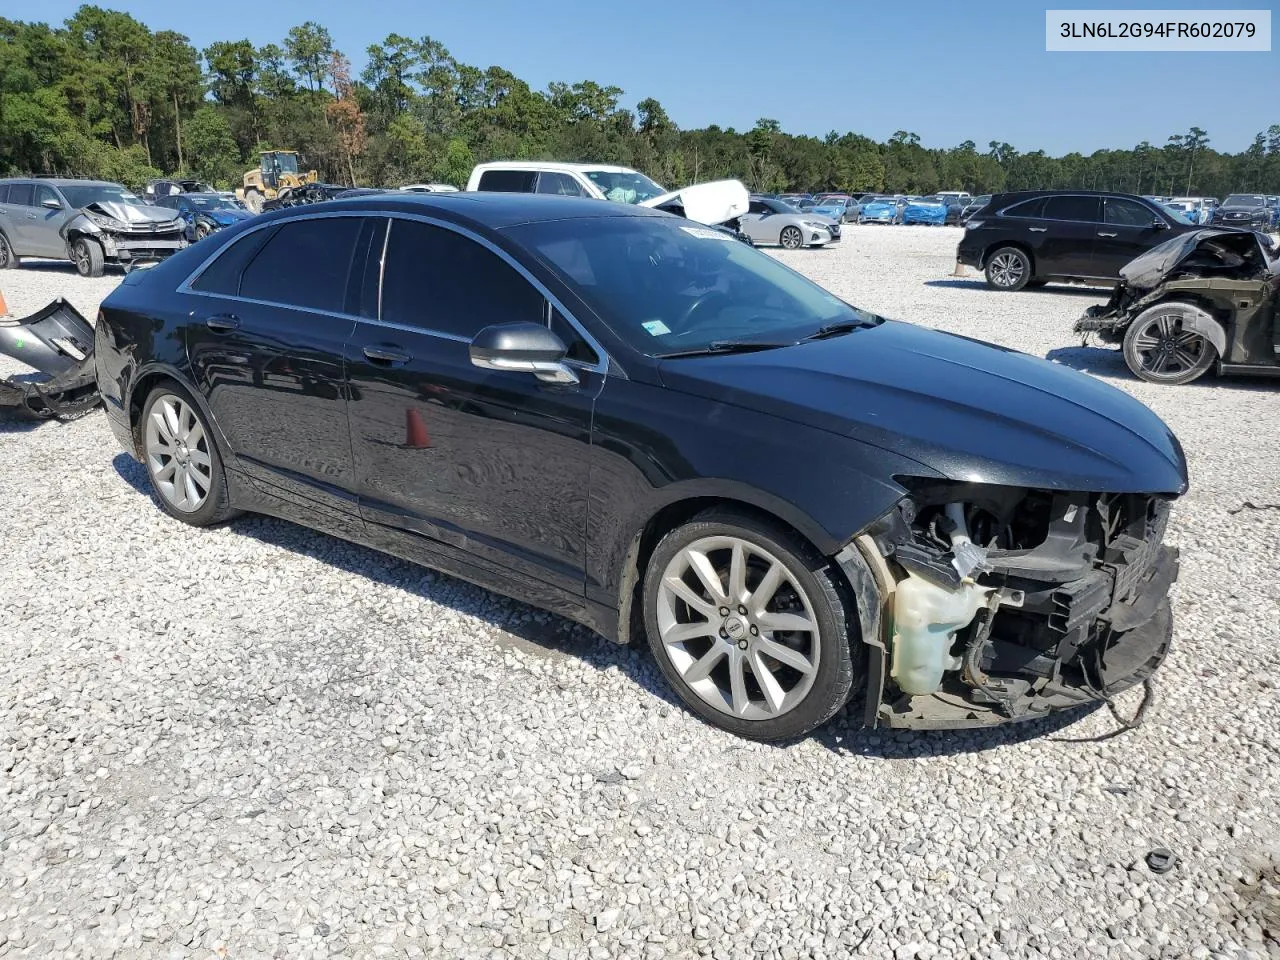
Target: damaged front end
{"points": [[56, 342], [128, 233], [1002, 604]]}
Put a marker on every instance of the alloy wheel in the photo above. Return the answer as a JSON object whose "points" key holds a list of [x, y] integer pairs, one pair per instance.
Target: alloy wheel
{"points": [[738, 628], [177, 451], [82, 258], [791, 238], [1166, 350], [1007, 269], [6, 255]]}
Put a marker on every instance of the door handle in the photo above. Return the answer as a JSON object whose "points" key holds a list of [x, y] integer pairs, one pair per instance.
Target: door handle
{"points": [[386, 355], [223, 322], [1038, 229], [1101, 234]]}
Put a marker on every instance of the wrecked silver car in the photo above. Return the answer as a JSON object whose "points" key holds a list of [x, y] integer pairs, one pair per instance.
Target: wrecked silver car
{"points": [[1197, 301], [55, 344], [91, 223]]}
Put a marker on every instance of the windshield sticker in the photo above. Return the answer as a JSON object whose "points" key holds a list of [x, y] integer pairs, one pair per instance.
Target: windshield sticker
{"points": [[706, 233], [656, 328]]}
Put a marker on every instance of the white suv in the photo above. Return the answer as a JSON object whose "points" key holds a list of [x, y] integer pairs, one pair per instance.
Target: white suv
{"points": [[710, 203]]}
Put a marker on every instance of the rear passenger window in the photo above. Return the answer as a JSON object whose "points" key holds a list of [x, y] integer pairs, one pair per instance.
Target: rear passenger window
{"points": [[1127, 213], [560, 184], [4, 193], [443, 282], [306, 264], [508, 181], [21, 193], [1072, 208], [1027, 210]]}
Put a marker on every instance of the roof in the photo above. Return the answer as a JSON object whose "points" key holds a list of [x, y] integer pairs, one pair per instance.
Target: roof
{"points": [[492, 210], [552, 165], [61, 181]]}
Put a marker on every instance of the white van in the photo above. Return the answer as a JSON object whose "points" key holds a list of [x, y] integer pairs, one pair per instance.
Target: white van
{"points": [[710, 203]]}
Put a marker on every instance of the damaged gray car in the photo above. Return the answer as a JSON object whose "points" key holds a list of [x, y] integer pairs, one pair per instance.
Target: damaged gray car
{"points": [[89, 222], [1196, 302]]}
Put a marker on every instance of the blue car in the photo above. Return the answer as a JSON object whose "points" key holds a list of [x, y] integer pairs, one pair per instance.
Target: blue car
{"points": [[205, 213], [881, 210], [930, 210], [839, 209]]}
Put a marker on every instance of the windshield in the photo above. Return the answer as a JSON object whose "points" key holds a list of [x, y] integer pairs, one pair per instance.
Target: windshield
{"points": [[287, 162], [82, 196], [630, 187], [666, 285], [1242, 200], [211, 203]]}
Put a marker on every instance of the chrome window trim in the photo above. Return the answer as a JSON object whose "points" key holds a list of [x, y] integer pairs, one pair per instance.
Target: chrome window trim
{"points": [[601, 365]]}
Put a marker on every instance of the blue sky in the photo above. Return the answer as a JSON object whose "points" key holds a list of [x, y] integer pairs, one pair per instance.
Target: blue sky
{"points": [[949, 71]]}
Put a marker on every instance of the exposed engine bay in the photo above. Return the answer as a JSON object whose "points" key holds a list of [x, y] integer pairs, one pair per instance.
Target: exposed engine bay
{"points": [[1002, 603]]}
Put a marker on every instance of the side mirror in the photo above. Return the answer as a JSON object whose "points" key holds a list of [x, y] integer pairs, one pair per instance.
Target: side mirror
{"points": [[522, 348], [1159, 224], [51, 204]]}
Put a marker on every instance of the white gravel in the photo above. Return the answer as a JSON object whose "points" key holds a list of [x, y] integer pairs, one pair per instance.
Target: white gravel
{"points": [[259, 741]]}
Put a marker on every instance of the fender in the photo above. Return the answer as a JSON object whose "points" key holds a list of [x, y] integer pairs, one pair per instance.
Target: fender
{"points": [[1193, 318], [155, 367]]}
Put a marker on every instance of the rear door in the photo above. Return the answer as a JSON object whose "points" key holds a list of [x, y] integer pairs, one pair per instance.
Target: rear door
{"points": [[1128, 229], [269, 318], [20, 217], [469, 464], [1068, 223]]}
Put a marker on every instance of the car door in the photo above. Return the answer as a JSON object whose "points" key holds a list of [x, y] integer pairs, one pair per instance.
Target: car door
{"points": [[44, 222], [469, 465], [1067, 228], [755, 223], [19, 218], [269, 320], [1128, 229]]}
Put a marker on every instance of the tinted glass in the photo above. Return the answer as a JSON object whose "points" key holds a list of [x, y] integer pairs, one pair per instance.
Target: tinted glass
{"points": [[1071, 207], [223, 275], [508, 181], [305, 264], [4, 193], [756, 206], [1126, 213], [1029, 209], [21, 193], [666, 285], [579, 349], [560, 184], [444, 282]]}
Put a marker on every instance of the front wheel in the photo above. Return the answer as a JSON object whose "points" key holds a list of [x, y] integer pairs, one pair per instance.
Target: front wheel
{"points": [[182, 459], [88, 257], [749, 625], [791, 238], [1008, 269], [1160, 346]]}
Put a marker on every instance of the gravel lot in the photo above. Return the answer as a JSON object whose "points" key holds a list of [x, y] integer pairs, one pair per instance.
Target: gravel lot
{"points": [[258, 741]]}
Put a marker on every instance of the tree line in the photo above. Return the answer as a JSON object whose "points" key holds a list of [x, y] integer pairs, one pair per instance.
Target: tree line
{"points": [[105, 96]]}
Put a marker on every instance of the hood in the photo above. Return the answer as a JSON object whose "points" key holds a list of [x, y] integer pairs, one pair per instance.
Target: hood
{"points": [[226, 217], [1148, 270], [710, 203], [965, 409], [132, 212], [826, 209]]}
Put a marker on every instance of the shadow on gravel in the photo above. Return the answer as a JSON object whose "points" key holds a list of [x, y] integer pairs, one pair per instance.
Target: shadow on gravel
{"points": [[537, 632], [13, 422], [977, 283]]}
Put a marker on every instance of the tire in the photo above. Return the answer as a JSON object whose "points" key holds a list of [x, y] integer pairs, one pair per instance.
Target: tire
{"points": [[253, 200], [791, 238], [1009, 269], [186, 473], [8, 259], [1159, 349], [88, 258], [202, 231], [714, 670]]}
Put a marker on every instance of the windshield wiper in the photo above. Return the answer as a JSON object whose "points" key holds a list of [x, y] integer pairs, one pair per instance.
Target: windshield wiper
{"points": [[729, 346], [835, 329]]}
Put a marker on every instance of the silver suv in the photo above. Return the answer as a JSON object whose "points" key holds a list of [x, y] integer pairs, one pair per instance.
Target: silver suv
{"points": [[89, 222]]}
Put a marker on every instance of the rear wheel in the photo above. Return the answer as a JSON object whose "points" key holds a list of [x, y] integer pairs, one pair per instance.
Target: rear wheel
{"points": [[8, 259], [749, 626], [1008, 269], [182, 459], [88, 257], [791, 238], [1160, 347], [253, 200]]}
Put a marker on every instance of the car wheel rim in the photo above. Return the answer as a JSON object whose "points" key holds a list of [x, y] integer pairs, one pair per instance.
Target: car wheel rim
{"points": [[82, 257], [177, 451], [1166, 350], [738, 628], [1007, 269], [791, 238], [4, 252]]}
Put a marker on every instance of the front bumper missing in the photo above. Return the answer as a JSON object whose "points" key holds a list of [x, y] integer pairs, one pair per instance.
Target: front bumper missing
{"points": [[57, 343]]}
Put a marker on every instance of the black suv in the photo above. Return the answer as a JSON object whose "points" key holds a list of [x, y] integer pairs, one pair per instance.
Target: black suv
{"points": [[1040, 235]]}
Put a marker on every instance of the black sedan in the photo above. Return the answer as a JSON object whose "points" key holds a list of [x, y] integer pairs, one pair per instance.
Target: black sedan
{"points": [[639, 423], [1244, 210]]}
